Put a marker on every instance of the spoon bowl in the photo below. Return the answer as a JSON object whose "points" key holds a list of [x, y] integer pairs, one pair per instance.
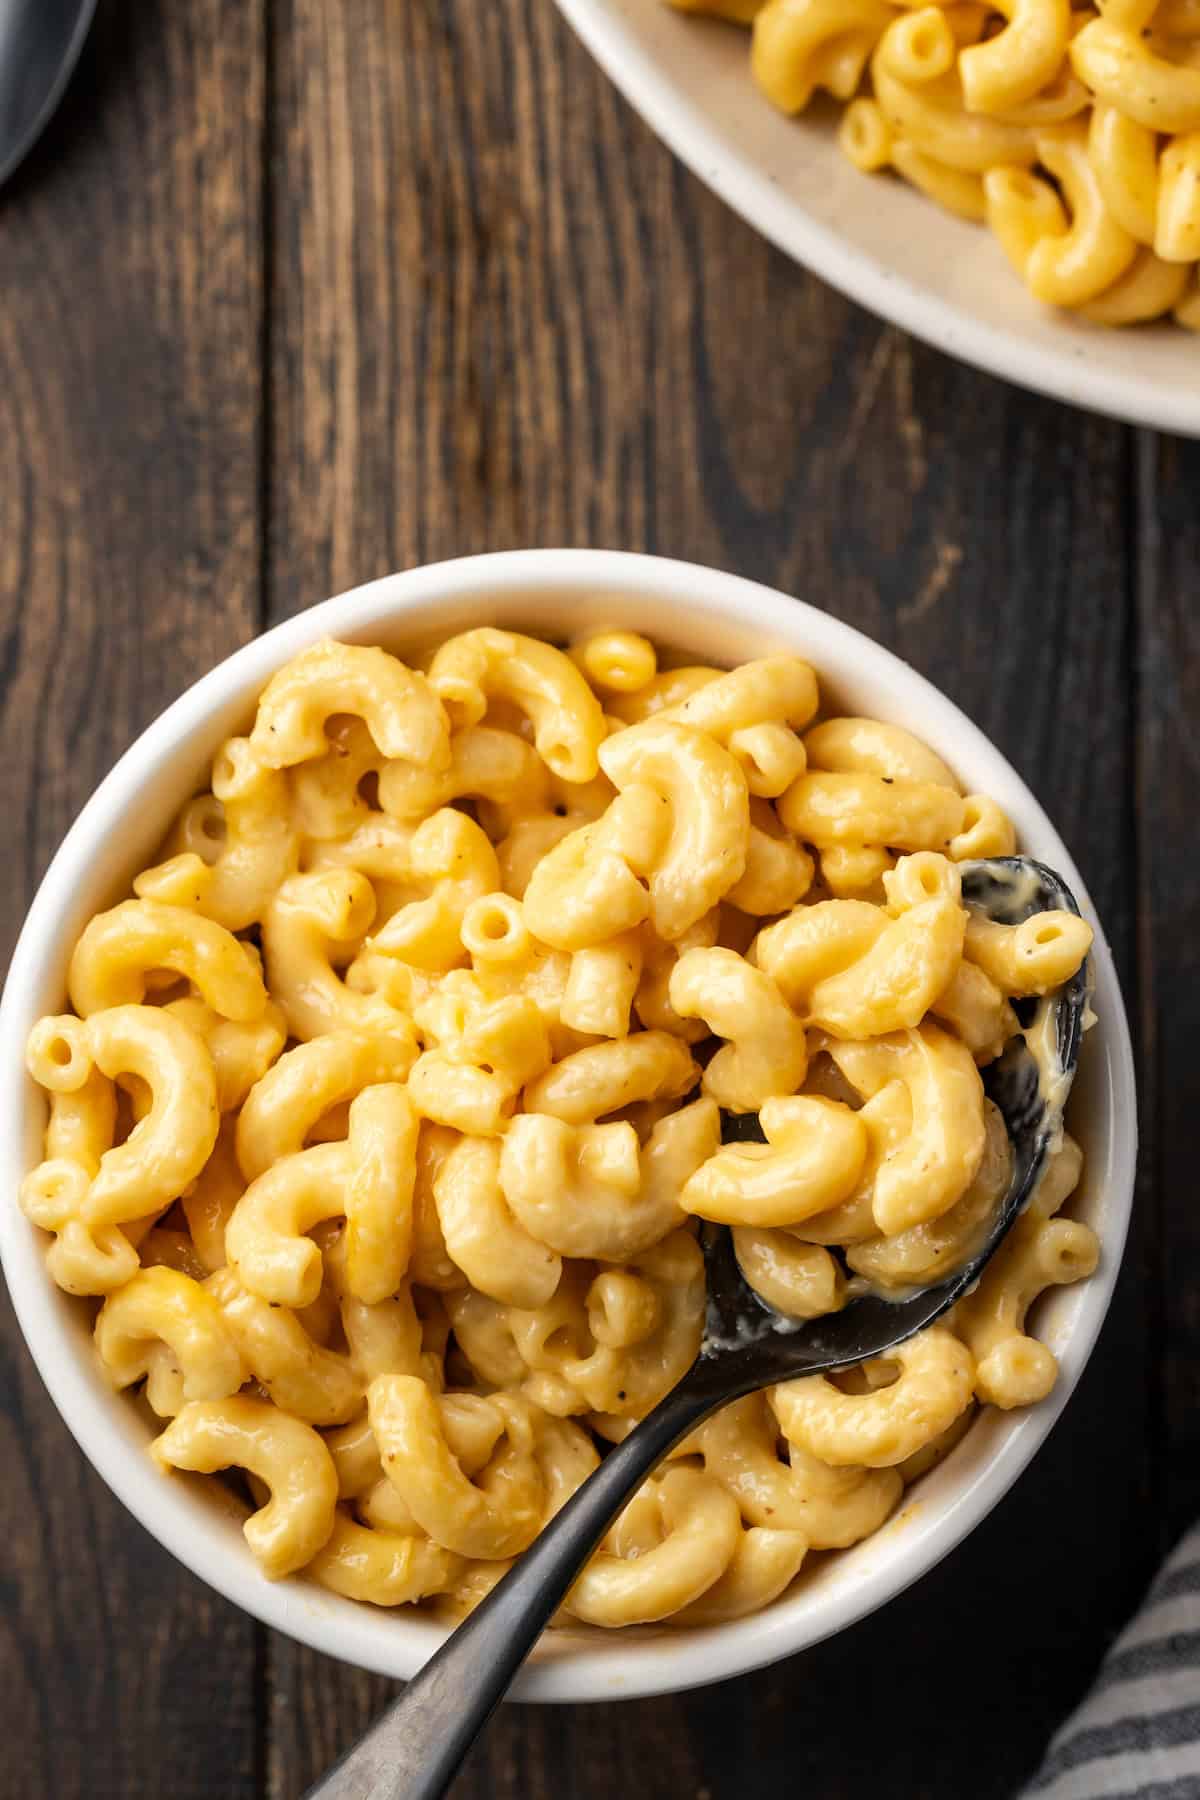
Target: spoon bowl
{"points": [[768, 1347], [415, 1749]]}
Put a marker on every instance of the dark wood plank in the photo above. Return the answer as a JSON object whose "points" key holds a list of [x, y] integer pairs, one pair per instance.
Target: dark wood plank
{"points": [[129, 562], [502, 315], [1165, 675]]}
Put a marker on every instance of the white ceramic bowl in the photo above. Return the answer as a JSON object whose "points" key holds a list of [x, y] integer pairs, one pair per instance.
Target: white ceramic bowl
{"points": [[721, 618], [873, 237]]}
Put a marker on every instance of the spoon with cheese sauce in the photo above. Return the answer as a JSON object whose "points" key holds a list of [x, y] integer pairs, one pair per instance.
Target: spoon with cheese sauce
{"points": [[415, 1749]]}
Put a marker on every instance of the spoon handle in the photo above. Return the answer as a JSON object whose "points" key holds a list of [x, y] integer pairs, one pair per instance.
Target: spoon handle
{"points": [[415, 1748]]}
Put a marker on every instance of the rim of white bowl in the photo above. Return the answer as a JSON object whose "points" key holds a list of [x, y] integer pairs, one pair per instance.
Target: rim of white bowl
{"points": [[1087, 383], [587, 1666]]}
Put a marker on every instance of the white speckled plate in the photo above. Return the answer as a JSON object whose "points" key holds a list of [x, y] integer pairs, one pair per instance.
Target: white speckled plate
{"points": [[873, 237]]}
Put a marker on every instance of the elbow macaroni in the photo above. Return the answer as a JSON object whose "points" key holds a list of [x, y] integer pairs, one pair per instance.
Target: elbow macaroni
{"points": [[399, 1215], [965, 103]]}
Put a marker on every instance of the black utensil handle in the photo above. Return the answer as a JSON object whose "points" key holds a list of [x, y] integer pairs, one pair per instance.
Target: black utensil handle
{"points": [[415, 1748]]}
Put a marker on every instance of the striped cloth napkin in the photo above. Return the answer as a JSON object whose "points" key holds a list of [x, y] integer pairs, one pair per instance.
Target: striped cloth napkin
{"points": [[1137, 1735]]}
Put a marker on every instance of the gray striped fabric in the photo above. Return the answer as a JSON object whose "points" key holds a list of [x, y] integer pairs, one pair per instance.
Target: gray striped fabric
{"points": [[1137, 1735]]}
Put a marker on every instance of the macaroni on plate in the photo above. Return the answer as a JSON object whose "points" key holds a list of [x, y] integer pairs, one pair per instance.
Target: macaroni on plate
{"points": [[1073, 134], [388, 1102]]}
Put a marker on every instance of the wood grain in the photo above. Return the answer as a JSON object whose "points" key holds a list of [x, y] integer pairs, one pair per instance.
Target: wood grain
{"points": [[1165, 677], [129, 562]]}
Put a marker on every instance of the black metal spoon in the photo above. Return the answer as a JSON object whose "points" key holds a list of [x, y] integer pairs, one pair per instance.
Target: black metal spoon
{"points": [[40, 41], [414, 1750]]}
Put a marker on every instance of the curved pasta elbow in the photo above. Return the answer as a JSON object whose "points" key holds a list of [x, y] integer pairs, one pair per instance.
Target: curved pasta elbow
{"points": [[477, 666], [893, 985], [1023, 58], [766, 1050], [368, 1178], [159, 1307], [493, 1249], [172, 1142], [382, 1568], [790, 36], [1120, 67], [286, 1455], [591, 1191], [705, 794], [396, 704], [496, 1515], [626, 1583], [119, 948], [878, 1429], [1095, 250], [813, 1156]]}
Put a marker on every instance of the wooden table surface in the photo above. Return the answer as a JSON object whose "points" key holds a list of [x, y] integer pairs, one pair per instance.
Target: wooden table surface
{"points": [[297, 292]]}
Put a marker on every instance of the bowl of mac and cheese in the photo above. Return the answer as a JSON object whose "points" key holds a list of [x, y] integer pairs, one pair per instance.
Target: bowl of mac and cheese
{"points": [[399, 1006], [1018, 187]]}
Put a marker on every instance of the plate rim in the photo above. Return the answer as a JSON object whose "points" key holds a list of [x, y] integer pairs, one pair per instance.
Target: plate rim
{"points": [[759, 200]]}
